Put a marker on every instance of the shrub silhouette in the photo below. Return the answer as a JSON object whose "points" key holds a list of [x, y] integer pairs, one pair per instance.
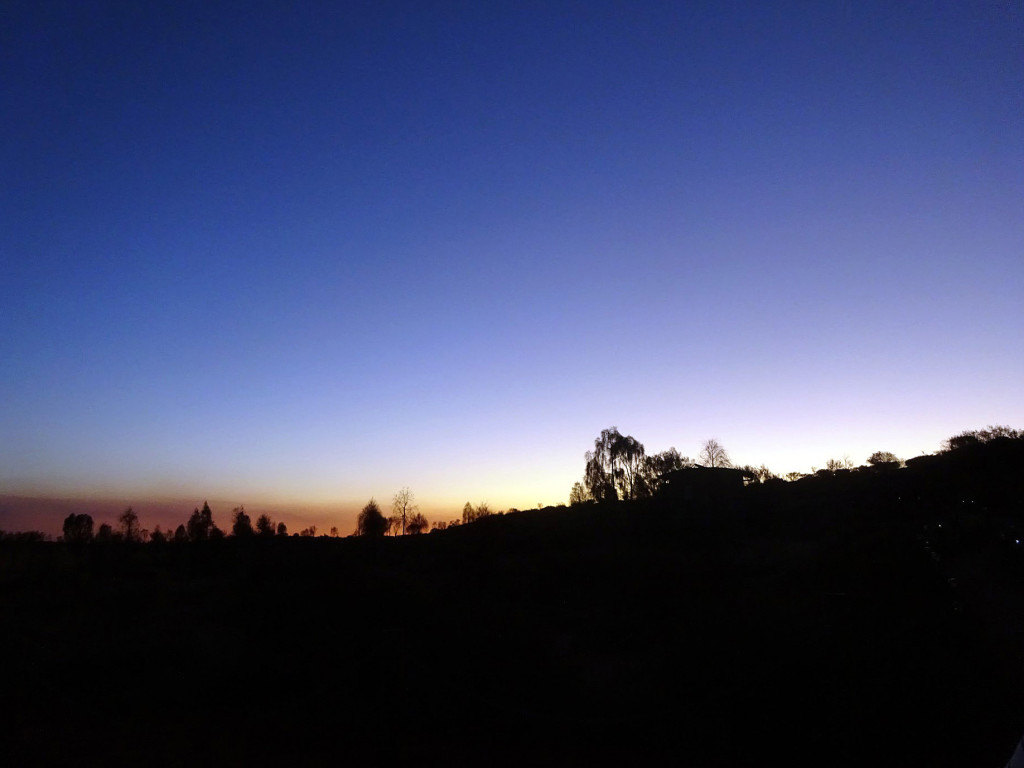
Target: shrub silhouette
{"points": [[371, 521]]}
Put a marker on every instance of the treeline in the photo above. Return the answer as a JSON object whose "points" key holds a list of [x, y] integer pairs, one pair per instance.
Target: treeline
{"points": [[405, 520], [617, 469], [80, 529], [620, 469]]}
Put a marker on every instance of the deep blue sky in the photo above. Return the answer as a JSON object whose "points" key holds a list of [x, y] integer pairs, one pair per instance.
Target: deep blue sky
{"points": [[320, 253]]}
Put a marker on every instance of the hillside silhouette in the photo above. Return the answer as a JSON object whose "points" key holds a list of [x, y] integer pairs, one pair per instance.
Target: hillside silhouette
{"points": [[850, 617]]}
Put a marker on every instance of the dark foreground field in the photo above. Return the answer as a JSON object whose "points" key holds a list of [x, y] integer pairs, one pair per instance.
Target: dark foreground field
{"points": [[763, 636]]}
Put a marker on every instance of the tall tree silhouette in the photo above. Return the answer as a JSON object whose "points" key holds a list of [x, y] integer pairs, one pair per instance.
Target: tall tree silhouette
{"points": [[402, 505], [200, 525], [628, 463], [615, 468], [241, 525], [599, 474], [129, 522]]}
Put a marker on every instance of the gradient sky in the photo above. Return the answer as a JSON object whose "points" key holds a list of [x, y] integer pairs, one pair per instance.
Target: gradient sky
{"points": [[311, 255]]}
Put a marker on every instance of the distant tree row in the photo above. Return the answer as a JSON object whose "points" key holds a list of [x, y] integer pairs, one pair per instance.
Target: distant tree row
{"points": [[78, 529], [405, 519]]}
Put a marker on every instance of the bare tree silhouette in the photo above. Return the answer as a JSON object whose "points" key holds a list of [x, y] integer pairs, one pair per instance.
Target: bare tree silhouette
{"points": [[713, 454], [402, 506]]}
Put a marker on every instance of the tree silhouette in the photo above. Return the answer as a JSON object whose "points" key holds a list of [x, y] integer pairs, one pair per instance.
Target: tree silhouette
{"points": [[402, 505], [105, 533], [971, 437], [616, 467], [628, 463], [579, 494], [599, 472], [129, 522], [417, 523], [713, 454], [180, 534], [471, 513], [658, 465], [264, 526], [835, 465], [241, 525], [78, 529], [282, 529], [884, 460], [200, 525], [371, 521]]}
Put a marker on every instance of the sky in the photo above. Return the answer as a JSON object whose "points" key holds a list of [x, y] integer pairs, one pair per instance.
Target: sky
{"points": [[306, 254]]}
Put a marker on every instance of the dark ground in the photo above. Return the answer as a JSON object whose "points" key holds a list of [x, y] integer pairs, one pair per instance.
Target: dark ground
{"points": [[778, 634]]}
